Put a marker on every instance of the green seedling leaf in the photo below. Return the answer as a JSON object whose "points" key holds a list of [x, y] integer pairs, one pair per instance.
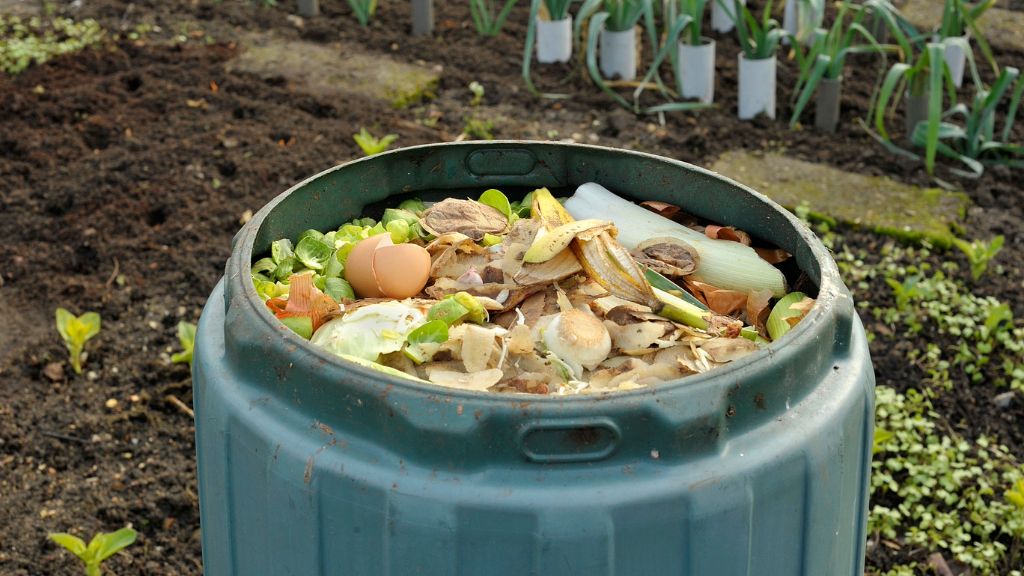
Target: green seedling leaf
{"points": [[111, 543], [76, 331], [187, 338], [73, 544], [313, 253], [424, 341], [1015, 495], [881, 437], [372, 145], [101, 547], [786, 313], [980, 253], [495, 199]]}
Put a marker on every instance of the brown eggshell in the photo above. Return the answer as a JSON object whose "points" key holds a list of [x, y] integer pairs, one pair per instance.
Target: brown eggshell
{"points": [[359, 266], [401, 270]]}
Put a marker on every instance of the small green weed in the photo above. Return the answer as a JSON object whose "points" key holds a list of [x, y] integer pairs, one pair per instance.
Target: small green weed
{"points": [[76, 331], [102, 546], [187, 338], [478, 129], [478, 93], [370, 144], [940, 491], [36, 40], [989, 344], [979, 253]]}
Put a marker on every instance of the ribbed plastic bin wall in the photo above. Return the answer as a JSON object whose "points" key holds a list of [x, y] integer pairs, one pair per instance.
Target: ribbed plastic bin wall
{"points": [[311, 466]]}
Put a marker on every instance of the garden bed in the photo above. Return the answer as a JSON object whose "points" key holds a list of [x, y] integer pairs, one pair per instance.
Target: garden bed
{"points": [[125, 170]]}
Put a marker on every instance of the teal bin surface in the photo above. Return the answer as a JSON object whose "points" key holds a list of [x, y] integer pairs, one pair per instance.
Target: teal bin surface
{"points": [[309, 465]]}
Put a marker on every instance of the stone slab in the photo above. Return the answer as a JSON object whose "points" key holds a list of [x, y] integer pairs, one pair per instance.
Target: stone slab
{"points": [[873, 202], [1001, 27], [336, 69], [22, 8]]}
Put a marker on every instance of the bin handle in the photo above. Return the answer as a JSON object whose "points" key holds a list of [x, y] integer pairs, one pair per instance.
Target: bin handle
{"points": [[569, 440]]}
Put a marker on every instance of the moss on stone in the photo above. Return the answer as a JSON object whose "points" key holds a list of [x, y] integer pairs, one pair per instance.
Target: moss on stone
{"points": [[880, 204], [330, 70]]}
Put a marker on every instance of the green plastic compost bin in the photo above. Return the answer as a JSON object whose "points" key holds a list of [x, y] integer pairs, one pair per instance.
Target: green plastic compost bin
{"points": [[309, 465]]}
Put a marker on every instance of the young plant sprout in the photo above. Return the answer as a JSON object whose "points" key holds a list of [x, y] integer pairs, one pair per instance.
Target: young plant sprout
{"points": [[363, 10], [979, 254], [759, 39], [187, 338], [529, 296], [825, 59], [477, 89], [487, 19], [975, 143], [102, 546], [76, 331], [370, 144]]}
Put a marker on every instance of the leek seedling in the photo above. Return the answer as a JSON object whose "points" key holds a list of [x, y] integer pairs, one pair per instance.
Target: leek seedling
{"points": [[623, 14], [976, 144], [826, 57], [363, 9], [927, 74], [76, 331], [487, 20], [695, 10], [958, 19], [758, 39], [722, 263], [101, 547], [372, 145], [557, 9]]}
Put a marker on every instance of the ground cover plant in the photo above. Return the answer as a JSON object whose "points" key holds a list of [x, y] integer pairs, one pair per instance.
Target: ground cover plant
{"points": [[126, 168]]}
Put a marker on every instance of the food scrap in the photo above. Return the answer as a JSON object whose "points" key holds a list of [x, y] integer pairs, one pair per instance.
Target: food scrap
{"points": [[532, 296]]}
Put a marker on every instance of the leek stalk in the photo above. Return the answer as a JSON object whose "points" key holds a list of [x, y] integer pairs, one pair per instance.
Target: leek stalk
{"points": [[723, 263]]}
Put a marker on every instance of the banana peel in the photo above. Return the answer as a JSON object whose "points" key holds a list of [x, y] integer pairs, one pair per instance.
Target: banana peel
{"points": [[602, 257], [608, 263], [549, 243]]}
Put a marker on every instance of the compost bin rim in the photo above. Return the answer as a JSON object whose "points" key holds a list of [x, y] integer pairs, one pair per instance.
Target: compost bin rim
{"points": [[832, 294]]}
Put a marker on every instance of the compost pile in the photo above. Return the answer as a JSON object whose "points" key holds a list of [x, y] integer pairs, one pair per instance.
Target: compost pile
{"points": [[532, 296]]}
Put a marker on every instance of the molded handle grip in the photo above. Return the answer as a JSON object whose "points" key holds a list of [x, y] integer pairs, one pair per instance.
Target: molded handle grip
{"points": [[571, 440]]}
